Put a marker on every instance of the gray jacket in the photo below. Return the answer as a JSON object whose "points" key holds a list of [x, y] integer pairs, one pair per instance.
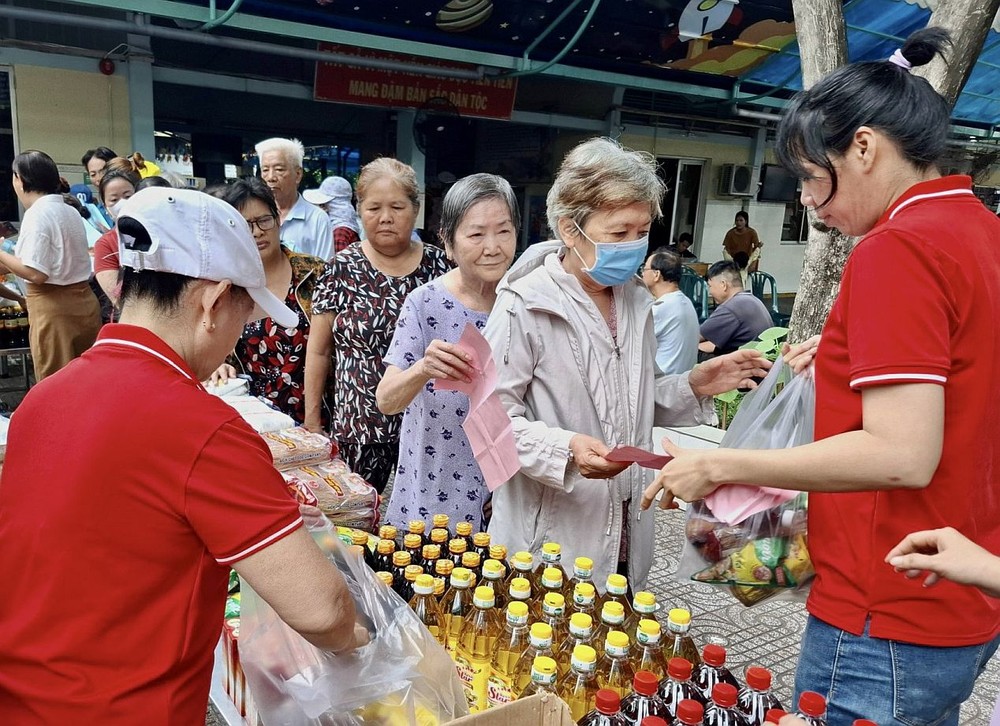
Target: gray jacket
{"points": [[558, 374]]}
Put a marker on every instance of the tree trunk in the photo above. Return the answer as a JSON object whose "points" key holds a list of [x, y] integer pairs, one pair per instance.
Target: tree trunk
{"points": [[820, 29]]}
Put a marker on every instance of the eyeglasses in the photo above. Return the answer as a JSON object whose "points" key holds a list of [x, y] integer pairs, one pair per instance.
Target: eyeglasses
{"points": [[264, 223]]}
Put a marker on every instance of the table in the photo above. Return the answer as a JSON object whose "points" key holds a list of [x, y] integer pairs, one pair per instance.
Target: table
{"points": [[699, 268]]}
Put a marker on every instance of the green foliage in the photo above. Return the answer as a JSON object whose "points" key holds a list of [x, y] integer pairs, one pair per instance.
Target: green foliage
{"points": [[769, 343]]}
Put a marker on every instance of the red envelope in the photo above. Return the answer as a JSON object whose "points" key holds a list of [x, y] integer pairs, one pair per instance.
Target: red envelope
{"points": [[635, 455]]}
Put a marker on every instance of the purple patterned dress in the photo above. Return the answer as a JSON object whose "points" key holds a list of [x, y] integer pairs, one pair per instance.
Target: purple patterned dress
{"points": [[436, 473]]}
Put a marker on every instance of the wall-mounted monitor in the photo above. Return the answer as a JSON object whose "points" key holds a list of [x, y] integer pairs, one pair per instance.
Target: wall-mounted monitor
{"points": [[777, 184]]}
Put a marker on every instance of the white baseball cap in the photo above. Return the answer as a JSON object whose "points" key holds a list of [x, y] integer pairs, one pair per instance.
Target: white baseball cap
{"points": [[333, 187], [191, 233]]}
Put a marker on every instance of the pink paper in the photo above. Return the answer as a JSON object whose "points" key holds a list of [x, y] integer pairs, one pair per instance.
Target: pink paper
{"points": [[635, 455], [732, 503], [487, 425]]}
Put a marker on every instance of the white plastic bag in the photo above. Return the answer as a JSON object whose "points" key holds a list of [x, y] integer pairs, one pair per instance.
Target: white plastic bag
{"points": [[403, 676], [767, 552]]}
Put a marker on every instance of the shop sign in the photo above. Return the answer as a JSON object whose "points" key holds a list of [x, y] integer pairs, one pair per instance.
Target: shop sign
{"points": [[344, 83]]}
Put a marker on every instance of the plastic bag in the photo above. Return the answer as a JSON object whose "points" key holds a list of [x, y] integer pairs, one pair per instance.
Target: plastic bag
{"points": [[767, 552], [403, 676]]}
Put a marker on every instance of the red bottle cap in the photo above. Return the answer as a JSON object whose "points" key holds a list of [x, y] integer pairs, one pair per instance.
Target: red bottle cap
{"points": [[645, 683], [774, 715], [758, 678], [679, 668], [724, 694], [690, 712], [607, 701], [714, 655], [864, 722], [812, 704], [652, 721]]}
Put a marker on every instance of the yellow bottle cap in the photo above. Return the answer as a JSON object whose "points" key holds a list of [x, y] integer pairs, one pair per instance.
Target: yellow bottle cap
{"points": [[463, 528], [431, 552], [400, 559], [646, 599], [481, 539], [617, 584], [613, 609], [483, 597], [412, 572], [358, 537], [583, 564], [520, 588], [523, 560], [584, 654], [584, 591], [517, 609], [470, 560], [444, 567], [439, 586], [457, 545], [582, 621], [423, 585], [680, 616], [439, 536], [552, 548], [385, 577], [554, 600], [542, 631], [440, 521], [552, 577], [650, 627], [492, 570], [498, 552], [387, 531], [411, 540], [385, 547], [417, 526], [544, 665], [617, 639], [461, 577]]}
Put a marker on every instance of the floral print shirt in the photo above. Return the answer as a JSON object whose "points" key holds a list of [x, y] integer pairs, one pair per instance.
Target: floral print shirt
{"points": [[365, 304]]}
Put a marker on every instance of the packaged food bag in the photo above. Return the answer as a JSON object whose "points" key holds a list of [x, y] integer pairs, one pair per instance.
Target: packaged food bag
{"points": [[297, 447], [403, 676], [755, 539], [343, 496]]}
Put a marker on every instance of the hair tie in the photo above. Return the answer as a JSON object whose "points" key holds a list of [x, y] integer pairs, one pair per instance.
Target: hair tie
{"points": [[898, 59]]}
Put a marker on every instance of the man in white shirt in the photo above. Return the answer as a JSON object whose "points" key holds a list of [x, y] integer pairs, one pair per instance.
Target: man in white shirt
{"points": [[305, 228], [674, 319]]}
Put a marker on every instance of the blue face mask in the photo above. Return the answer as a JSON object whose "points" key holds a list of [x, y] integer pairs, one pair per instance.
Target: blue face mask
{"points": [[615, 263]]}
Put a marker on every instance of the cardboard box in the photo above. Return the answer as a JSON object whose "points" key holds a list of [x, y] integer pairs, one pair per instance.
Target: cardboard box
{"points": [[541, 710]]}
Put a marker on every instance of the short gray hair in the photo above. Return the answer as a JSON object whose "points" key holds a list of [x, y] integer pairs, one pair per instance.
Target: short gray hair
{"points": [[291, 149], [601, 173], [468, 191]]}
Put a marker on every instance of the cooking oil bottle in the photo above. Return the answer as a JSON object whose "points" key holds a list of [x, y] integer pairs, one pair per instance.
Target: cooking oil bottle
{"points": [[612, 618], [361, 538], [616, 590], [519, 590], [643, 607], [578, 687], [584, 597], [543, 677], [440, 536], [553, 612], [498, 552], [410, 574], [430, 554], [679, 644], [539, 643], [550, 581], [471, 562], [510, 645], [383, 555], [614, 669], [385, 577], [400, 561], [551, 557], [414, 544], [492, 577], [583, 571], [440, 521], [472, 656], [463, 530], [581, 632], [417, 527], [456, 604], [522, 564], [387, 531], [481, 545], [650, 654], [456, 548], [426, 606], [442, 576]]}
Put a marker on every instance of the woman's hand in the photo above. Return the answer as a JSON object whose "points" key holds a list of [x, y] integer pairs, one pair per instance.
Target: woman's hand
{"points": [[949, 554], [728, 372], [314, 424], [222, 374], [801, 355], [446, 361], [588, 455], [685, 477]]}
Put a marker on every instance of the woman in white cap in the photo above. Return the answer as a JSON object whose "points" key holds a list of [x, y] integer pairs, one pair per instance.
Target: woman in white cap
{"points": [[153, 495], [334, 198]]}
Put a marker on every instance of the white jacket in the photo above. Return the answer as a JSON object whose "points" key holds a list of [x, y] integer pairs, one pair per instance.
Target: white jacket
{"points": [[559, 374]]}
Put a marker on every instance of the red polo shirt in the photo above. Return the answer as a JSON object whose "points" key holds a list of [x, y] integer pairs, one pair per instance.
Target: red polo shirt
{"points": [[127, 493], [919, 303]]}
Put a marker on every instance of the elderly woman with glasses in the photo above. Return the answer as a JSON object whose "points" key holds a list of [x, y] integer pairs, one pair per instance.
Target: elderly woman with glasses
{"points": [[274, 356]]}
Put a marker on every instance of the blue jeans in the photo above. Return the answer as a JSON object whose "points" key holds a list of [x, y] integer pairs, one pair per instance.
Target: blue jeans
{"points": [[887, 681]]}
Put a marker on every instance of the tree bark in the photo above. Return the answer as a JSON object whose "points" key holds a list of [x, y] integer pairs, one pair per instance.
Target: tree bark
{"points": [[820, 29]]}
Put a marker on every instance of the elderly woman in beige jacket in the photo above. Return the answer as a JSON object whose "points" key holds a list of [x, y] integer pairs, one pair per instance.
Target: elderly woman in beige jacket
{"points": [[572, 337]]}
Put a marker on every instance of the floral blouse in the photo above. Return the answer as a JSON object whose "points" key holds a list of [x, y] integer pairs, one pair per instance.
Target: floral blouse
{"points": [[366, 304]]}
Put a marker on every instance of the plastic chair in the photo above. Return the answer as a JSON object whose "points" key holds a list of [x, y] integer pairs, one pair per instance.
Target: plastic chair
{"points": [[765, 289], [695, 288]]}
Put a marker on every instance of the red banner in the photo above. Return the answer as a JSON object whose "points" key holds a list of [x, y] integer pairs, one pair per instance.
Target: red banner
{"points": [[345, 83]]}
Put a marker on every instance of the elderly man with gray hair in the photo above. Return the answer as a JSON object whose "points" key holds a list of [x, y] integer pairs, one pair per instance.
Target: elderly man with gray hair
{"points": [[304, 227]]}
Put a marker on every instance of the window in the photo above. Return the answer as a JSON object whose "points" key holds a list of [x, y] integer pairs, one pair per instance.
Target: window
{"points": [[795, 227]]}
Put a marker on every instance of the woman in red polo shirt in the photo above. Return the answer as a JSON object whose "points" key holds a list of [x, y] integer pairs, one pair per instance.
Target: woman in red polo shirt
{"points": [[907, 393]]}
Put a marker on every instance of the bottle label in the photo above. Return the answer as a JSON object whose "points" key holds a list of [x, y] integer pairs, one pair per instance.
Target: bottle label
{"points": [[581, 574], [646, 638], [474, 674], [580, 634], [544, 679], [614, 590], [517, 619], [644, 609], [615, 650], [581, 600], [499, 690], [553, 610], [583, 667]]}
